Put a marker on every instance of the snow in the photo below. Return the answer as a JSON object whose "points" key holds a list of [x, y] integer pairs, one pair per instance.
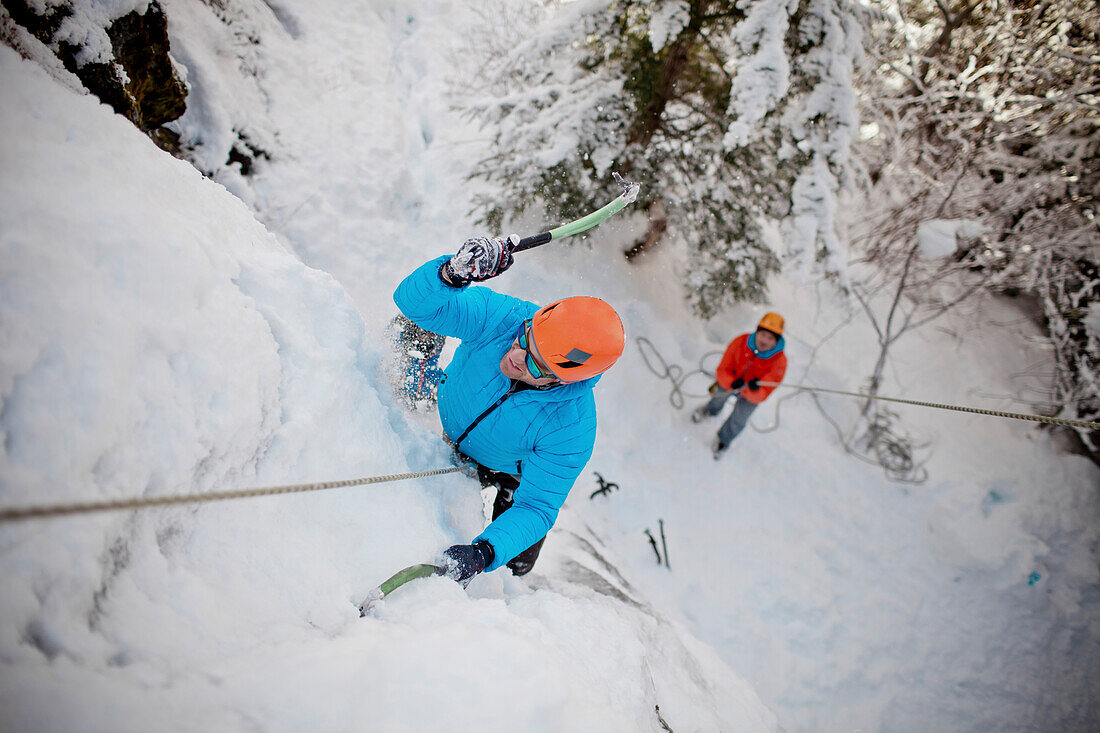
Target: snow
{"points": [[820, 116], [667, 22], [1092, 320], [163, 333], [763, 77], [939, 237], [84, 26], [812, 220]]}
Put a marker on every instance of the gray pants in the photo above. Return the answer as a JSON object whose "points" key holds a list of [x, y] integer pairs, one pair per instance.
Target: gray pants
{"points": [[738, 419]]}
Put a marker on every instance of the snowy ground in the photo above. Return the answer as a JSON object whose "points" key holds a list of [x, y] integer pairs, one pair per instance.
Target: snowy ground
{"points": [[159, 334]]}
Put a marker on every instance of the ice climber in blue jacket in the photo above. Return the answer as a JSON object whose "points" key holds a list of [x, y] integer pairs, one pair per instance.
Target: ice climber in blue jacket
{"points": [[516, 399]]}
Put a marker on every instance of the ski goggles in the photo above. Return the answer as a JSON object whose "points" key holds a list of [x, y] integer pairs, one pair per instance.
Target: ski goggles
{"points": [[532, 366]]}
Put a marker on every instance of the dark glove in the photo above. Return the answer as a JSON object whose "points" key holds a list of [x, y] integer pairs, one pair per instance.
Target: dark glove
{"points": [[754, 384], [737, 384], [478, 259], [462, 562]]}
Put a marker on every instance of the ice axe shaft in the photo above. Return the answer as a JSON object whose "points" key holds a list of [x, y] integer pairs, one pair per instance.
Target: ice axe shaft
{"points": [[398, 579], [628, 196]]}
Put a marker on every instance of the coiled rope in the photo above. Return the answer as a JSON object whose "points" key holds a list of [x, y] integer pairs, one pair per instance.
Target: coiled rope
{"points": [[675, 374], [56, 510]]}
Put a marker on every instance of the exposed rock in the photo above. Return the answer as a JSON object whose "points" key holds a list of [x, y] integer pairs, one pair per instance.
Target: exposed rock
{"points": [[244, 153], [141, 47], [140, 83]]}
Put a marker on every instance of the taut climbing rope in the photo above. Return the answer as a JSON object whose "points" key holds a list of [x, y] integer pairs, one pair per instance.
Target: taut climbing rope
{"points": [[675, 374], [943, 406], [56, 510]]}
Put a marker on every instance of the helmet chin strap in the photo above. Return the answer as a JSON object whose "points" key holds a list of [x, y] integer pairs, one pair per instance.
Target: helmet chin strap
{"points": [[544, 387], [540, 387]]}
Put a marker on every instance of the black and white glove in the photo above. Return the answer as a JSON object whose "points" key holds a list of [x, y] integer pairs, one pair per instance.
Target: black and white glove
{"points": [[737, 384], [478, 259], [754, 384], [462, 562]]}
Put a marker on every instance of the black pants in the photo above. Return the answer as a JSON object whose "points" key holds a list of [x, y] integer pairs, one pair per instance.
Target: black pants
{"points": [[506, 485]]}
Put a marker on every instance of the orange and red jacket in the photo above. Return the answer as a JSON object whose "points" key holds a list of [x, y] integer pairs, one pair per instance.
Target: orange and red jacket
{"points": [[740, 363]]}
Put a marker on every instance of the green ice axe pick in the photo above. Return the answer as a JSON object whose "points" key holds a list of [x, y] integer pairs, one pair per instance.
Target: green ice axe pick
{"points": [[629, 194], [398, 579]]}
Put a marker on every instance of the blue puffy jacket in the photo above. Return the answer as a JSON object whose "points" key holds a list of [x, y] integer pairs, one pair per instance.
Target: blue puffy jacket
{"points": [[546, 436]]}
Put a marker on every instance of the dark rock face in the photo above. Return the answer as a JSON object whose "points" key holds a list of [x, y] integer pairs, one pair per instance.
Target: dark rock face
{"points": [[244, 153], [141, 47], [41, 27], [140, 83]]}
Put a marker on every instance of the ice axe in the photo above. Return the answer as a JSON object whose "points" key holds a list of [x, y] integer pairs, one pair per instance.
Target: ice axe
{"points": [[395, 581], [628, 196]]}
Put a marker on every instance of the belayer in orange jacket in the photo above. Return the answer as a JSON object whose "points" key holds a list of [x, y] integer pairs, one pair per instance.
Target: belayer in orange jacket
{"points": [[750, 359]]}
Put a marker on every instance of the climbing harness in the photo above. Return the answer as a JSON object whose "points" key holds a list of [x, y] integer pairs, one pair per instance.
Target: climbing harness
{"points": [[56, 510]]}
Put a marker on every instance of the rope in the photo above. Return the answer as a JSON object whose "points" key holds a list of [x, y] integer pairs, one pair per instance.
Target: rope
{"points": [[56, 510], [943, 406], [675, 374]]}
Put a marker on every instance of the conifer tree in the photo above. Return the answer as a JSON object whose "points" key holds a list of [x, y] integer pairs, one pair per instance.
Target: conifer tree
{"points": [[730, 113]]}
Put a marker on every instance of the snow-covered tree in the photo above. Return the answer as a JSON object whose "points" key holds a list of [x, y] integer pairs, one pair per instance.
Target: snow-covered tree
{"points": [[729, 112], [987, 111]]}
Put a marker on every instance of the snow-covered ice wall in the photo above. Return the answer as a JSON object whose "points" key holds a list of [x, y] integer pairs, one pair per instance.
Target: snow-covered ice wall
{"points": [[157, 339], [162, 334]]}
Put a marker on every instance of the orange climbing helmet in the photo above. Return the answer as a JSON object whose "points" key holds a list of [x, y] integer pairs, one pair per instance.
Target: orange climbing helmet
{"points": [[772, 322], [577, 338]]}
